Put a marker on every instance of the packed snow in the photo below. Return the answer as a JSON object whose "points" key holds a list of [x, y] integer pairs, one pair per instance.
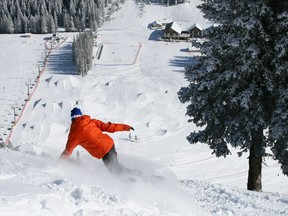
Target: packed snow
{"points": [[135, 81]]}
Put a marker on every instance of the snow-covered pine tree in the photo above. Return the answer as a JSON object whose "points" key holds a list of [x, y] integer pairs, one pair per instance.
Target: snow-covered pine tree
{"points": [[44, 25], [51, 24], [17, 25], [43, 18], [236, 91], [7, 24], [278, 131]]}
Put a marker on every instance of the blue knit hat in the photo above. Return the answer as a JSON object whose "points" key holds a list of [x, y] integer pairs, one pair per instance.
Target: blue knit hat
{"points": [[75, 112]]}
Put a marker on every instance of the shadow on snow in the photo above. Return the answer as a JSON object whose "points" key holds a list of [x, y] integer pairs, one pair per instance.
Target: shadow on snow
{"points": [[61, 61], [181, 62]]}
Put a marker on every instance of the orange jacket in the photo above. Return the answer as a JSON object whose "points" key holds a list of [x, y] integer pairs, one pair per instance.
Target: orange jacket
{"points": [[87, 132]]}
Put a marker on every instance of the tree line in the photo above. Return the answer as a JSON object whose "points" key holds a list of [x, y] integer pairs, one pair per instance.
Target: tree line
{"points": [[238, 87], [45, 16], [83, 52]]}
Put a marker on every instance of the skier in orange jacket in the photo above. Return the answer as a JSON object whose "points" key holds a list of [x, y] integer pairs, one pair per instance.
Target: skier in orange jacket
{"points": [[87, 132]]}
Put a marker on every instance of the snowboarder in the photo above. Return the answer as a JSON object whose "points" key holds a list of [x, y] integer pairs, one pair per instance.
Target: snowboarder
{"points": [[87, 132]]}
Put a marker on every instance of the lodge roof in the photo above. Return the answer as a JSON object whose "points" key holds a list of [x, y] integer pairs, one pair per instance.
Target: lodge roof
{"points": [[174, 26]]}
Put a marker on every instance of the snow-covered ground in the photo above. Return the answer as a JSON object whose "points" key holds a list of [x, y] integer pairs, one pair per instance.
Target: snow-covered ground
{"points": [[135, 81]]}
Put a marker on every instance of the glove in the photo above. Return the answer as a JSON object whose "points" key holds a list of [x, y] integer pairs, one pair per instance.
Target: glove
{"points": [[128, 128]]}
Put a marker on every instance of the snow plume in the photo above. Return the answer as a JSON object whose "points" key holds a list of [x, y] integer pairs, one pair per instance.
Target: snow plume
{"points": [[155, 192], [73, 188]]}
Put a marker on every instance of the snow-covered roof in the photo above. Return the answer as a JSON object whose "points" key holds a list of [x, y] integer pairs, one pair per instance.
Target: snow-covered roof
{"points": [[196, 25], [174, 26], [157, 23], [166, 21]]}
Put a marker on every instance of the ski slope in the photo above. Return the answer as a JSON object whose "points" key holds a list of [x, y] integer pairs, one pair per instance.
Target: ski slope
{"points": [[135, 81]]}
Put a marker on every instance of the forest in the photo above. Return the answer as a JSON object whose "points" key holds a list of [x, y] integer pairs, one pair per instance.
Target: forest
{"points": [[45, 16]]}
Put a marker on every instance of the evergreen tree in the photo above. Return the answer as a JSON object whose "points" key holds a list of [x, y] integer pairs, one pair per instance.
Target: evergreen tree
{"points": [[278, 132], [71, 27], [43, 17], [51, 24], [44, 25], [82, 13], [35, 24], [235, 85], [72, 9], [66, 19], [8, 25], [25, 27], [18, 25], [17, 19]]}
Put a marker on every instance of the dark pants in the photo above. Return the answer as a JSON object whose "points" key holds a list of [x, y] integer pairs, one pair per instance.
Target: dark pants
{"points": [[111, 162]]}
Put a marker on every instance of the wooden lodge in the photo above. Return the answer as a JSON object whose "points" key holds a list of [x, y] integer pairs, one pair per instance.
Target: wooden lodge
{"points": [[173, 31]]}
